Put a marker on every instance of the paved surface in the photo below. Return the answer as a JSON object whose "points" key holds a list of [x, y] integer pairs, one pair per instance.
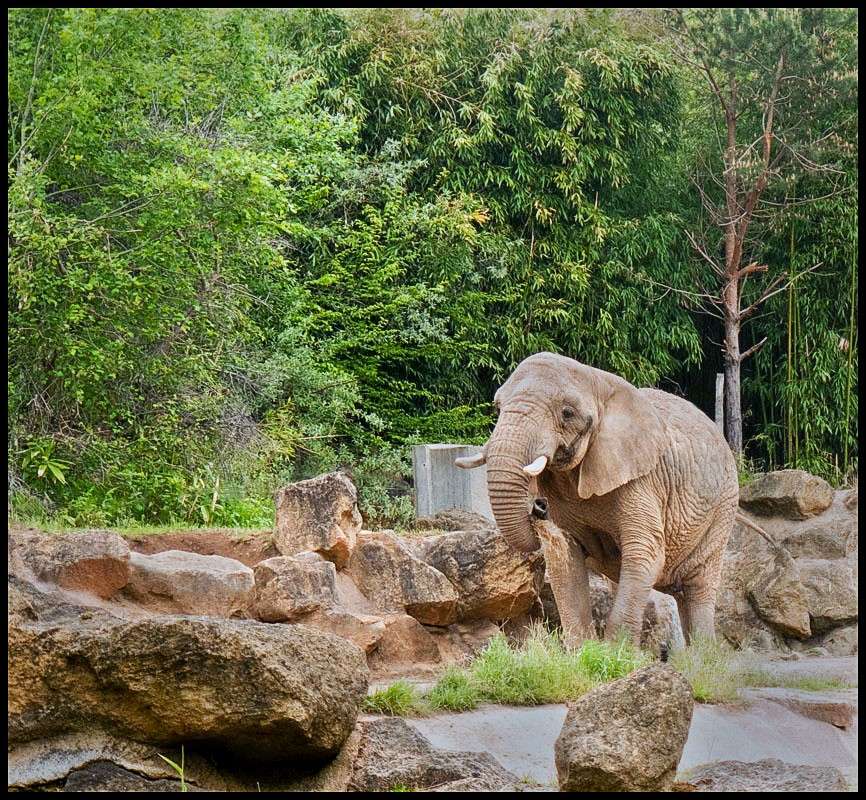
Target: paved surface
{"points": [[523, 738]]}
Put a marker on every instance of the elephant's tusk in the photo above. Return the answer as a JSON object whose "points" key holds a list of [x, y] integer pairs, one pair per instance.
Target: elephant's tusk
{"points": [[536, 467], [470, 462]]}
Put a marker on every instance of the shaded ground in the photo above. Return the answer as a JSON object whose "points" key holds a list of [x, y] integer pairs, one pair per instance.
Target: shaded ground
{"points": [[523, 738]]}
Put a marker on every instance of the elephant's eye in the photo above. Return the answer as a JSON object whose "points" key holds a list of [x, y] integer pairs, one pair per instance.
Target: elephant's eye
{"points": [[568, 414]]}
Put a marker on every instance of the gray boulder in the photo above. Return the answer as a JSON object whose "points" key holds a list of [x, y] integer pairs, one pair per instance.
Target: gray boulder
{"points": [[392, 578], [95, 562], [626, 736], [288, 587], [393, 754], [178, 582]]}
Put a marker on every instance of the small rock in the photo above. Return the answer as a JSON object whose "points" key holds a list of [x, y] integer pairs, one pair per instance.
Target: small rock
{"points": [[604, 746], [290, 587], [778, 598], [96, 562], [768, 775], [393, 754], [393, 579], [320, 514], [791, 493], [178, 582], [455, 519]]}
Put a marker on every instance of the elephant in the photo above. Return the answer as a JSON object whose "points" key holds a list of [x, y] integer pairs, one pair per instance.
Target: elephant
{"points": [[640, 484]]}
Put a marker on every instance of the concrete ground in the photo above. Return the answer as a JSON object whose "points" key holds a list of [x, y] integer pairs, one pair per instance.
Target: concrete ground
{"points": [[523, 738]]}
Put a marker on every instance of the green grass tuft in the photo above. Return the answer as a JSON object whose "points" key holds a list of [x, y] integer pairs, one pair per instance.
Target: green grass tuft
{"points": [[400, 699], [454, 691]]}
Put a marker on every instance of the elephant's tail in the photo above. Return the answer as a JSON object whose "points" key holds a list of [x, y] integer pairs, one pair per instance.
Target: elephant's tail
{"points": [[744, 520]]}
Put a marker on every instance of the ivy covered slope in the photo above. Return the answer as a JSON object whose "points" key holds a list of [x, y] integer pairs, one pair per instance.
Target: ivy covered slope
{"points": [[246, 247]]}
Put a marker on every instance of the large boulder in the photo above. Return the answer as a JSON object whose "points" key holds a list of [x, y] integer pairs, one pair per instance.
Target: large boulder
{"points": [[290, 587], [760, 599], [768, 775], [626, 736], [95, 562], [320, 514], [255, 691], [790, 493], [177, 582], [393, 579], [394, 755], [492, 579]]}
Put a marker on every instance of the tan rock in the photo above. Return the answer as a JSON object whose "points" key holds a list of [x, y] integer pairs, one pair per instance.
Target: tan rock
{"points": [[95, 562], [393, 579], [320, 514], [493, 580], [404, 642], [364, 630], [178, 582], [791, 493], [288, 588]]}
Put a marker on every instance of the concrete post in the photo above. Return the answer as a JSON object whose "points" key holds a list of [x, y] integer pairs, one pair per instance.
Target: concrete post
{"points": [[440, 486]]}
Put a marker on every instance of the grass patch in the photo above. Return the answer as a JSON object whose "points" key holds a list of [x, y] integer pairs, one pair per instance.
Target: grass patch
{"points": [[541, 670], [544, 670], [717, 673], [806, 683], [707, 665], [400, 699]]}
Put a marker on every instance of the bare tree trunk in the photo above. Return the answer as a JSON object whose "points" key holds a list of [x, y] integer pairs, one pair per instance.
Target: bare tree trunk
{"points": [[730, 292], [733, 409]]}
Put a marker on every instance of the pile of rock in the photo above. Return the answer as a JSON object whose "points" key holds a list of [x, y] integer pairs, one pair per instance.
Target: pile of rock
{"points": [[801, 594]]}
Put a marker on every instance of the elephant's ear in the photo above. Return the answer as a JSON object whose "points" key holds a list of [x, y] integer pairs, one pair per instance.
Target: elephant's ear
{"points": [[627, 444]]}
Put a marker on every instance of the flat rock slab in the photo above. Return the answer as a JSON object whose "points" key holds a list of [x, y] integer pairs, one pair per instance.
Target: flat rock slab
{"points": [[766, 729], [768, 775], [838, 708]]}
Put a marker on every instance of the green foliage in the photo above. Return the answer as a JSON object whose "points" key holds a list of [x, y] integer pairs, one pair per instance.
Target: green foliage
{"points": [[246, 247]]}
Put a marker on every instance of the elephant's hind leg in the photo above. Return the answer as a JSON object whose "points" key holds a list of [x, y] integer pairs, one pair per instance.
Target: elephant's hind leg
{"points": [[698, 605]]}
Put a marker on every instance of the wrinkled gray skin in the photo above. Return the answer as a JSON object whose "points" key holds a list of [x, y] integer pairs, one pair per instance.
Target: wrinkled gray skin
{"points": [[640, 481]]}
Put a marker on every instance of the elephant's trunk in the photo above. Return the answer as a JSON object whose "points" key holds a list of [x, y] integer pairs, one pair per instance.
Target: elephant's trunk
{"points": [[510, 448]]}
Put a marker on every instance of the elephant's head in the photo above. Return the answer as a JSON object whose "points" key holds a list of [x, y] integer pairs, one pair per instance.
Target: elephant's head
{"points": [[558, 414]]}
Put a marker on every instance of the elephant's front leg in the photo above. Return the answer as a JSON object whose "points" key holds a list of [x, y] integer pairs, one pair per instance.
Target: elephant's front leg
{"points": [[566, 570], [643, 557]]}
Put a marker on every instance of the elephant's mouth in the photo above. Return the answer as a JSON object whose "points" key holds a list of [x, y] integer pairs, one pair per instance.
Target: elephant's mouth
{"points": [[563, 457]]}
